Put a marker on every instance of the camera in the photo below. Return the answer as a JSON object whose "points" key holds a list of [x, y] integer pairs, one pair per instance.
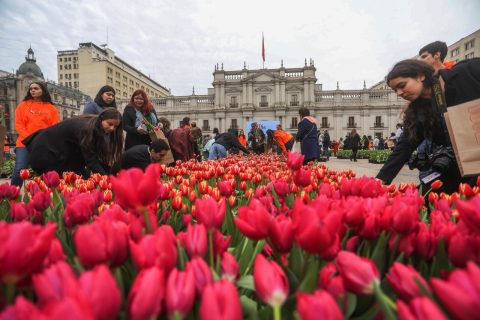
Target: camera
{"points": [[440, 159]]}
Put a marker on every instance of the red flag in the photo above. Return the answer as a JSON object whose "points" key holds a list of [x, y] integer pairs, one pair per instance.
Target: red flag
{"points": [[263, 49]]}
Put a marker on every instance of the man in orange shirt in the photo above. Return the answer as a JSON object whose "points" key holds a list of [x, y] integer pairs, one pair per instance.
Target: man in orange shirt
{"points": [[283, 139], [35, 112]]}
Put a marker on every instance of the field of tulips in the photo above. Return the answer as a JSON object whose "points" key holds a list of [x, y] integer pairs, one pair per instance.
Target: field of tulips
{"points": [[257, 237]]}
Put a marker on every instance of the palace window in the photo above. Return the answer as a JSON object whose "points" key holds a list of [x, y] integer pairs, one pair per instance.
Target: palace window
{"points": [[351, 122], [294, 100], [294, 124], [233, 102], [206, 126], [455, 52], [263, 101], [234, 124], [470, 44], [378, 122], [65, 114], [325, 123]]}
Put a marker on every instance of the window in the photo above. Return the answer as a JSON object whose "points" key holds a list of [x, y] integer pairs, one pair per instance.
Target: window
{"points": [[234, 124], [233, 102], [325, 123], [378, 121], [65, 114], [469, 56], [294, 123], [206, 126], [470, 44], [60, 67], [60, 60], [75, 75], [351, 122], [61, 77], [294, 100], [455, 52], [263, 101]]}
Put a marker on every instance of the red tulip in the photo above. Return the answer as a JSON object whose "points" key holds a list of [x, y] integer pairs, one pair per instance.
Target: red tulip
{"points": [[55, 283], [9, 192], [24, 174], [80, 209], [470, 213], [210, 213], [281, 188], [51, 178], [281, 233], [102, 241], [253, 220], [202, 273], [271, 283], [425, 242], [330, 281], [460, 295], [404, 216], [180, 291], [146, 295], [437, 184], [71, 307], [225, 188], [135, 189], [404, 280], [24, 248], [158, 249], [358, 273], [55, 254], [229, 267], [301, 177], [20, 211], [295, 160], [420, 308], [220, 243], [220, 301], [194, 240], [100, 289], [466, 190], [22, 309], [41, 201], [319, 305]]}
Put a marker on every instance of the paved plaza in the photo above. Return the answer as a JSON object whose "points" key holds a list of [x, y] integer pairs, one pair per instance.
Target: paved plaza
{"points": [[364, 168]]}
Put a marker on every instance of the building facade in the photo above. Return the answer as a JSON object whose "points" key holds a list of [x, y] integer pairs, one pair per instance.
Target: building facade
{"points": [[14, 87], [240, 96], [465, 48], [90, 67]]}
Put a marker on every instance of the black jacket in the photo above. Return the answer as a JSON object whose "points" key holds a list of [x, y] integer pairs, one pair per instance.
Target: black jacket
{"points": [[136, 157], [133, 138], [462, 84], [229, 141], [58, 148]]}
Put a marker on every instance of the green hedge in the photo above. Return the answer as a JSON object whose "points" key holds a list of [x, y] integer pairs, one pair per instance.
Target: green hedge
{"points": [[373, 156]]}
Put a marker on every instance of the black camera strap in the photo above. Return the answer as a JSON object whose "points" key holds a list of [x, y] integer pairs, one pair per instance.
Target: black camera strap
{"points": [[441, 107]]}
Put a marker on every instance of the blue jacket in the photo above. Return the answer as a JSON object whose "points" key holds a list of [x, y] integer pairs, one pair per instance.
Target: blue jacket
{"points": [[92, 108]]}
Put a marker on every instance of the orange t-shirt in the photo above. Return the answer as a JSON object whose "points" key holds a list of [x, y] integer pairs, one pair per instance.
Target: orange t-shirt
{"points": [[6, 147], [31, 116], [281, 138], [242, 140]]}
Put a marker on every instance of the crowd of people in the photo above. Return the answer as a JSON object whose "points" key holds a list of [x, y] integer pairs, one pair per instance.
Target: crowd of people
{"points": [[95, 142]]}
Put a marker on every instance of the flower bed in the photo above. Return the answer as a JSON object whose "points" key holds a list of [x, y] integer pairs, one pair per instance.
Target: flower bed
{"points": [[253, 237], [373, 156]]}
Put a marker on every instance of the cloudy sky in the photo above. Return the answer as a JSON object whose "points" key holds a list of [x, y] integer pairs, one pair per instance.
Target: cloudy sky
{"points": [[178, 42]]}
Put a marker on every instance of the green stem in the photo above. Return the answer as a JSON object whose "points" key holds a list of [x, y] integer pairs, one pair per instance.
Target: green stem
{"points": [[10, 293], [147, 221], [387, 305], [119, 278], [210, 246], [277, 313]]}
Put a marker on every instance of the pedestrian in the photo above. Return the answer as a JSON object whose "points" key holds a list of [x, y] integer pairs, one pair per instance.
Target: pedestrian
{"points": [[182, 141], [256, 139], [85, 144], [138, 117], [223, 143], [34, 113], [142, 155], [307, 136], [105, 98], [354, 141], [326, 144]]}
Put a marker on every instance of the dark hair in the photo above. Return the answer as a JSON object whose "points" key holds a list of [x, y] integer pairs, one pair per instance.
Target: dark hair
{"points": [[147, 105], [159, 145], [185, 121], [303, 112], [412, 68], [434, 47], [166, 125], [215, 130], [45, 93], [196, 132], [99, 100], [108, 147]]}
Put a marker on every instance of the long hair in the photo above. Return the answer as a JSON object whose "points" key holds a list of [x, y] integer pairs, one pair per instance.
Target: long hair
{"points": [[107, 146], [165, 125], [45, 93], [147, 104], [303, 112], [420, 108], [99, 100]]}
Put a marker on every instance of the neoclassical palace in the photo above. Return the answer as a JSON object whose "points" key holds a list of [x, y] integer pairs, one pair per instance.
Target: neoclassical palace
{"points": [[276, 94]]}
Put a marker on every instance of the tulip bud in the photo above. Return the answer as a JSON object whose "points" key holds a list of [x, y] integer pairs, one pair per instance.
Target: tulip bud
{"points": [[358, 273], [271, 283], [24, 174]]}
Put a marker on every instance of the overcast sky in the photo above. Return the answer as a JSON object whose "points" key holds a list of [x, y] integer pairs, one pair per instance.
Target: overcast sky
{"points": [[178, 42]]}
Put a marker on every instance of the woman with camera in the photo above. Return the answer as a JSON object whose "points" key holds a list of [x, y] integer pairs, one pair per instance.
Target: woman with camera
{"points": [[425, 144]]}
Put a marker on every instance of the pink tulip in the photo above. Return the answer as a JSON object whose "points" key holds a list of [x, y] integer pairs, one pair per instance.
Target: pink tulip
{"points": [[254, 220], [202, 273], [404, 280], [23, 309], [301, 177], [146, 295], [319, 305], [55, 283], [51, 179], [358, 273], [210, 213], [420, 308], [220, 301], [281, 233], [271, 283], [295, 160], [180, 291], [195, 240], [229, 267], [225, 188]]}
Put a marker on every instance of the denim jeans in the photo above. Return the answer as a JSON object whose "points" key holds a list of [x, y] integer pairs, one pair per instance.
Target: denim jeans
{"points": [[217, 151], [21, 162]]}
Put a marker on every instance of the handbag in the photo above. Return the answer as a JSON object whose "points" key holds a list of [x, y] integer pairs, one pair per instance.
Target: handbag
{"points": [[296, 147]]}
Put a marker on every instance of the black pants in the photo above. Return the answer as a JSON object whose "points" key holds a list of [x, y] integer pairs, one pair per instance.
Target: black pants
{"points": [[354, 154]]}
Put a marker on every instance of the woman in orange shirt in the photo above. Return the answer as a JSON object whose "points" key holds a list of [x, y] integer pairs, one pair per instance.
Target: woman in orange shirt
{"points": [[242, 139], [35, 112], [282, 139]]}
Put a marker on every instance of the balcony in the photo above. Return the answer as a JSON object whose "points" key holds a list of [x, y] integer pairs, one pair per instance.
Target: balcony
{"points": [[234, 105], [263, 104], [206, 128], [378, 125], [294, 103], [325, 125], [351, 125], [234, 126]]}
